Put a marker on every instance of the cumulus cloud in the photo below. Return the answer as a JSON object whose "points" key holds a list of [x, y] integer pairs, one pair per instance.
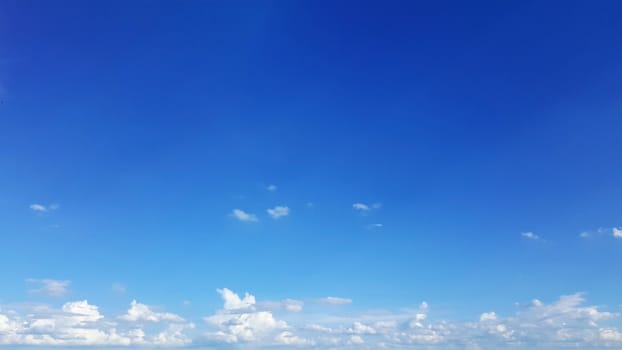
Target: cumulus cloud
{"points": [[334, 301], [488, 316], [49, 287], [142, 312], [79, 323], [617, 232], [530, 235], [244, 322], [239, 321], [243, 216], [278, 212]]}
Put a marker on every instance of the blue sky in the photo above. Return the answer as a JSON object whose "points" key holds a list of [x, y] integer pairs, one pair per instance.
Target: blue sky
{"points": [[375, 175]]}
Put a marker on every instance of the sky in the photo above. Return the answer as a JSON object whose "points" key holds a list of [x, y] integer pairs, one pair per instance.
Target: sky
{"points": [[310, 174]]}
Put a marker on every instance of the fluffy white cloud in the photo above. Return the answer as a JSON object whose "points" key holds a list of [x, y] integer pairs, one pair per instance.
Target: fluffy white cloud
{"points": [[243, 216], [49, 287], [566, 322], [488, 316], [278, 212], [142, 312], [239, 321], [234, 302], [617, 232], [334, 301], [360, 206], [80, 323], [530, 235]]}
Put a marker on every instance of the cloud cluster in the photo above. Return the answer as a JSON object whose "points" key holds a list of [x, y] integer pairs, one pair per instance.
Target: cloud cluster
{"points": [[244, 322], [79, 323]]}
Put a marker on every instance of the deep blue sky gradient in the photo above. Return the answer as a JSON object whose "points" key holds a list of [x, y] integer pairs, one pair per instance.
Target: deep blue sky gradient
{"points": [[471, 122]]}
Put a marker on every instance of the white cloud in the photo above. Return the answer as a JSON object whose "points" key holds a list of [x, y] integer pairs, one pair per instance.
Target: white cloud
{"points": [[617, 232], [289, 338], [271, 188], [38, 208], [334, 301], [287, 305], [488, 316], [142, 312], [530, 235], [49, 287], [239, 321], [80, 323], [356, 339], [584, 234], [234, 302], [360, 206], [278, 211], [243, 216], [610, 334], [119, 288], [562, 323]]}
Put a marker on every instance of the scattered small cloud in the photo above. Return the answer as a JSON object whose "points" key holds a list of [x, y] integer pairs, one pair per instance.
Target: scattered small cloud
{"points": [[119, 288], [585, 234], [49, 287], [334, 301], [243, 216], [278, 212], [617, 232], [290, 305], [375, 226], [376, 205], [271, 188], [40, 208], [310, 205], [360, 207], [530, 235]]}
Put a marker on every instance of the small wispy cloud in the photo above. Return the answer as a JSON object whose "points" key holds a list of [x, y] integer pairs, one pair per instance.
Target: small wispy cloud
{"points": [[278, 212], [585, 234], [119, 288], [243, 216], [617, 232], [271, 188], [375, 226], [360, 206], [530, 235], [49, 287], [334, 301], [40, 208]]}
